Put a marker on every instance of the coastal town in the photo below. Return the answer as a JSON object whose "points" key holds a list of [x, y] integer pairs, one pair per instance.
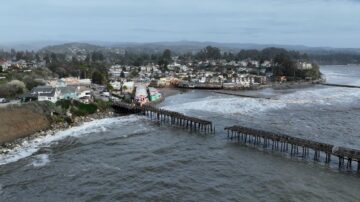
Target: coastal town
{"points": [[141, 84], [180, 100]]}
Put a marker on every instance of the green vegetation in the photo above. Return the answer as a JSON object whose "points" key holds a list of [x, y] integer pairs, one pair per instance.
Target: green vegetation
{"points": [[102, 105], [12, 89], [81, 109], [336, 58], [208, 53], [98, 78], [93, 62], [77, 108]]}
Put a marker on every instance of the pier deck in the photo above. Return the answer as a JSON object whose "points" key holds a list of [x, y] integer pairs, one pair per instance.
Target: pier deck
{"points": [[167, 117], [283, 142], [340, 85]]}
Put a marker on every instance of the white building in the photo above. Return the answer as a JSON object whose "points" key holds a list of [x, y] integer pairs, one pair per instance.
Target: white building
{"points": [[116, 85], [115, 71], [243, 80], [128, 87], [84, 94], [46, 93], [5, 65], [304, 66]]}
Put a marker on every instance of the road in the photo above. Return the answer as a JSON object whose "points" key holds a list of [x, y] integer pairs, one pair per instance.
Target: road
{"points": [[12, 102]]}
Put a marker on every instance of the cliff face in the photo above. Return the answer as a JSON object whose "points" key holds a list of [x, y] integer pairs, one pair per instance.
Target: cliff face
{"points": [[22, 121]]}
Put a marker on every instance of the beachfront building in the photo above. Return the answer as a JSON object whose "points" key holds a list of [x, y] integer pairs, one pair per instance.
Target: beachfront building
{"points": [[141, 96], [154, 94], [67, 93]]}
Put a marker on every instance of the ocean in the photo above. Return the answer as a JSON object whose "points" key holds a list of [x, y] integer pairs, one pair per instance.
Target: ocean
{"points": [[131, 158]]}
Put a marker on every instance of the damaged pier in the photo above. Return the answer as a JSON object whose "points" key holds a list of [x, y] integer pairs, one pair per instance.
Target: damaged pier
{"points": [[167, 117], [295, 146]]}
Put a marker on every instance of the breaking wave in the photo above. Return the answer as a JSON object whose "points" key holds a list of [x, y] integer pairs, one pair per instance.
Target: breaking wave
{"points": [[225, 104], [27, 148]]}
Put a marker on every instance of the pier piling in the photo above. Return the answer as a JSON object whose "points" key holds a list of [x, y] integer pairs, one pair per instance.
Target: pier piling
{"points": [[258, 137], [167, 117]]}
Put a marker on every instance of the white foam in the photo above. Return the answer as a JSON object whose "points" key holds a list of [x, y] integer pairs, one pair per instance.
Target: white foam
{"points": [[27, 148], [239, 105], [40, 160], [324, 96], [228, 105]]}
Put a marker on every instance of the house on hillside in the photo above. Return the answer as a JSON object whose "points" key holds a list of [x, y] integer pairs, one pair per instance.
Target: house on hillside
{"points": [[68, 93], [43, 93], [84, 94], [304, 66], [5, 65]]}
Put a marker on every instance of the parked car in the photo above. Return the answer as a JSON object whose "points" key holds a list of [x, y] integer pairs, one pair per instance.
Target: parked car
{"points": [[3, 100], [105, 94]]}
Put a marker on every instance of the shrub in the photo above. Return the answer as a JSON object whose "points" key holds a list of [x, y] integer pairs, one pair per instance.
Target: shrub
{"points": [[81, 109], [64, 104], [12, 89], [102, 105]]}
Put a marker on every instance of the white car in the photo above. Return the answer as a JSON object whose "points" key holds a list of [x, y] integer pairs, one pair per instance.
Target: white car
{"points": [[105, 94]]}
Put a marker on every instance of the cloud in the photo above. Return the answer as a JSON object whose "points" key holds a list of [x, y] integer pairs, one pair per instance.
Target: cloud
{"points": [[309, 22]]}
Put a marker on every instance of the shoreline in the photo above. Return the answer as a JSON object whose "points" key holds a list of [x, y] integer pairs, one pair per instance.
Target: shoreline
{"points": [[291, 85], [54, 128], [274, 85], [6, 147]]}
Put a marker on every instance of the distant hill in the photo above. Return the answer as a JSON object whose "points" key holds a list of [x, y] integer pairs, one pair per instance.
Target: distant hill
{"points": [[193, 46], [158, 47], [30, 46], [73, 48]]}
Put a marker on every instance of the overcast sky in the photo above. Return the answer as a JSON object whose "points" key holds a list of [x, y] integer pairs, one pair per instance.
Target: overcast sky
{"points": [[333, 23]]}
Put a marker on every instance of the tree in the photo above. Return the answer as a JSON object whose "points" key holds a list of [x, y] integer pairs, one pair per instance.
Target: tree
{"points": [[98, 78], [122, 74], [97, 56], [209, 53], [1, 69], [12, 89], [167, 55], [165, 60], [285, 66], [134, 73], [31, 82]]}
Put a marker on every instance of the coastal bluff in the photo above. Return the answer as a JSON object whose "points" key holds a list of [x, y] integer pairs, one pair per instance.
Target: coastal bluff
{"points": [[20, 121]]}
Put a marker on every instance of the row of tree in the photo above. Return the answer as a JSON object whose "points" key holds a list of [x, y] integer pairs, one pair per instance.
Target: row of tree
{"points": [[95, 63]]}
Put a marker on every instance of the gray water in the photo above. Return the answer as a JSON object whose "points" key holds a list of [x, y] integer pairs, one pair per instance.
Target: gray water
{"points": [[134, 159]]}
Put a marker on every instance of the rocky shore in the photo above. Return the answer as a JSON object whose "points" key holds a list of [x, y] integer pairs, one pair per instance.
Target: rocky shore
{"points": [[76, 121], [55, 128]]}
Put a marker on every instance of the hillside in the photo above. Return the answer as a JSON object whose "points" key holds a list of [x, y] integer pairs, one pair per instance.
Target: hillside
{"points": [[21, 121], [184, 47], [73, 48]]}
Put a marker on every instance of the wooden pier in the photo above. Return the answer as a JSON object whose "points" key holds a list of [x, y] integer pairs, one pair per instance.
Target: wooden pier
{"points": [[295, 146], [166, 117], [340, 85]]}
